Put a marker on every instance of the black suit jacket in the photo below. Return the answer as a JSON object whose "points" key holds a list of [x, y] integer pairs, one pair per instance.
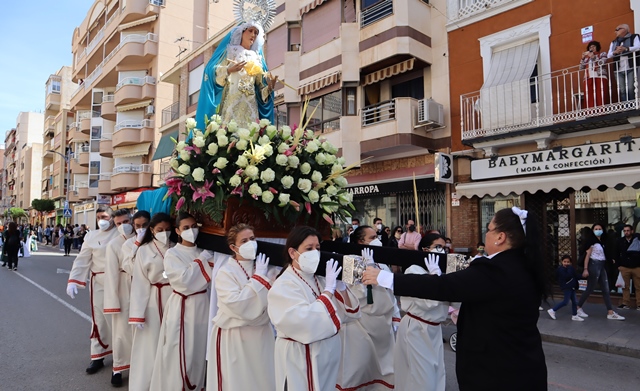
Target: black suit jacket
{"points": [[499, 346]]}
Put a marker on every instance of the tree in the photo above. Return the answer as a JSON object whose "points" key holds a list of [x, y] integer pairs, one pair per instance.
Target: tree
{"points": [[17, 213], [43, 206]]}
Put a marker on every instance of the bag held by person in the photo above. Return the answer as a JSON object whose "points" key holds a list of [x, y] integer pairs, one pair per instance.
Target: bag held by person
{"points": [[620, 281]]}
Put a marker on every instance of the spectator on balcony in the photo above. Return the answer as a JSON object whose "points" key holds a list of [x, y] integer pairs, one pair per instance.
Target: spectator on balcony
{"points": [[596, 82], [619, 50]]}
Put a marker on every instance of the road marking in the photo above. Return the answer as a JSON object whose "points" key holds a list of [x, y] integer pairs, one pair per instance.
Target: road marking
{"points": [[63, 271], [55, 297]]}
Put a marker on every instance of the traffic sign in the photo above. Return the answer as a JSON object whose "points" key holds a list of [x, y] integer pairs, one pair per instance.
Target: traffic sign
{"points": [[67, 213], [66, 204]]}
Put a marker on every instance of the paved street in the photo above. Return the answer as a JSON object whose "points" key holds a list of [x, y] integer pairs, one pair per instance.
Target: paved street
{"points": [[44, 344]]}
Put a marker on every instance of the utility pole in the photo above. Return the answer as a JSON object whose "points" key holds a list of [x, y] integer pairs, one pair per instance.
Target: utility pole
{"points": [[66, 200]]}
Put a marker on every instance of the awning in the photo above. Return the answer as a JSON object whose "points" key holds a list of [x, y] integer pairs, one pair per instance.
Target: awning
{"points": [[592, 179], [131, 150], [310, 6], [165, 146], [133, 106], [388, 72], [319, 84], [137, 22]]}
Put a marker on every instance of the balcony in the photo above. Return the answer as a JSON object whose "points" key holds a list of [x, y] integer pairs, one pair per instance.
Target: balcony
{"points": [[46, 173], [77, 168], [130, 176], [75, 135], [46, 153], [463, 12], [560, 102], [104, 184], [391, 127], [85, 54], [140, 8], [106, 145], [133, 89], [84, 118], [131, 132], [108, 110], [53, 98], [170, 114], [81, 189], [83, 156], [49, 126], [56, 193]]}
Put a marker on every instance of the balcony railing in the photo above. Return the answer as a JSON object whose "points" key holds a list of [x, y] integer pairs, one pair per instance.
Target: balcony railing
{"points": [[106, 136], [138, 81], [462, 9], [562, 96], [376, 12], [132, 123], [105, 176], [86, 114], [81, 185], [131, 168], [171, 113], [159, 3], [108, 98], [381, 112]]}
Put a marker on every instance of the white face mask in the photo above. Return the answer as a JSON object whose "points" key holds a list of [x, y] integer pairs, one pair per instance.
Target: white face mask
{"points": [[104, 224], [190, 235], [162, 237], [379, 227], [309, 261], [375, 242], [438, 251], [125, 229], [140, 230], [248, 250]]}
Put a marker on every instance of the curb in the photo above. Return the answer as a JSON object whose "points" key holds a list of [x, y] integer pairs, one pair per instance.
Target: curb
{"points": [[592, 345]]}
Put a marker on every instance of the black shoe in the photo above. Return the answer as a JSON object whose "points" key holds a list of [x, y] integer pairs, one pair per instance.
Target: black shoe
{"points": [[95, 366], [116, 379], [15, 268]]}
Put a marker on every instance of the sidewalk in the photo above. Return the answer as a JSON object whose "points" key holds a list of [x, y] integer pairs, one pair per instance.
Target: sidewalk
{"points": [[596, 332]]}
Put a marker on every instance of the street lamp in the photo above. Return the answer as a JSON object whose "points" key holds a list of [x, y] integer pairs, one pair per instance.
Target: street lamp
{"points": [[68, 162]]}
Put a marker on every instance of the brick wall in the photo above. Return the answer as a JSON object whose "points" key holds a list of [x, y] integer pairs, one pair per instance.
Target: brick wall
{"points": [[465, 225], [394, 164]]}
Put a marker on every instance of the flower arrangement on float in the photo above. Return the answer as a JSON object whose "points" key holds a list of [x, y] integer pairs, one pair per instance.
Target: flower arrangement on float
{"points": [[288, 173]]}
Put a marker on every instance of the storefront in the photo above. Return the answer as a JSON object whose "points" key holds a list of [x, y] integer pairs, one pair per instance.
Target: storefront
{"points": [[126, 200], [85, 214], [565, 188]]}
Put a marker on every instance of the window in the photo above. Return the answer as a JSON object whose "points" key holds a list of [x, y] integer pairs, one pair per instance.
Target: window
{"points": [[193, 98], [321, 25], [328, 109], [53, 87], [96, 106], [96, 135], [276, 46], [94, 174], [281, 115], [350, 106], [409, 89], [195, 82]]}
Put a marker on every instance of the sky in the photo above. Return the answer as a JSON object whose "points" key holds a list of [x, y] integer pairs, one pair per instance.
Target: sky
{"points": [[35, 38]]}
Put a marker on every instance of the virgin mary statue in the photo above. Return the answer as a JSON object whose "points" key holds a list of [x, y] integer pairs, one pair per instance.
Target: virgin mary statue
{"points": [[235, 84]]}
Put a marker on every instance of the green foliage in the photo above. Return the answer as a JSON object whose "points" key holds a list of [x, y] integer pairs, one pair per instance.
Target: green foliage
{"points": [[43, 205], [17, 213]]}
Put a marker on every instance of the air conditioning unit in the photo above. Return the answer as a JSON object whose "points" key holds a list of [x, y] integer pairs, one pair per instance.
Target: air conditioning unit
{"points": [[294, 47], [150, 110], [431, 113]]}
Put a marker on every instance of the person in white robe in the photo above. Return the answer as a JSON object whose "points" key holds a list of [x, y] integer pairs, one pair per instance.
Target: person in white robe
{"points": [[117, 287], [242, 338], [180, 358], [307, 316], [150, 290], [91, 261]]}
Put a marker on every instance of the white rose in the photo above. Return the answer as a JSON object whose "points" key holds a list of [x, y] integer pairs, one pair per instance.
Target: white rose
{"points": [[311, 147], [190, 123], [268, 175], [331, 159], [332, 190], [327, 147], [286, 132], [223, 141], [282, 147], [184, 169], [336, 168], [198, 174], [282, 160], [185, 155], [313, 196], [325, 198], [244, 134], [341, 181], [221, 132], [264, 123], [316, 177], [174, 163], [212, 127], [283, 198], [254, 127], [309, 133], [242, 161], [221, 163], [342, 161], [305, 168], [345, 198], [233, 126], [235, 181], [198, 142], [268, 150], [216, 118], [293, 161], [242, 145], [321, 158], [271, 131], [264, 140], [255, 189], [252, 172], [304, 185], [180, 146], [287, 181], [212, 149], [197, 133], [267, 197]]}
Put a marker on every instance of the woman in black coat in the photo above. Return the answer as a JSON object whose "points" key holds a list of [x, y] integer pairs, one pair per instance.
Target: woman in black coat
{"points": [[12, 246], [499, 346]]}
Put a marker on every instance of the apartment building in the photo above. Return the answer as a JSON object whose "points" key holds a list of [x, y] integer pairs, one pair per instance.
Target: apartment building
{"points": [[377, 72], [23, 176], [120, 50], [531, 127], [55, 154]]}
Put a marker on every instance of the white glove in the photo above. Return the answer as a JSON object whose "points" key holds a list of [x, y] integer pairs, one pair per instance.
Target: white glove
{"points": [[262, 264], [140, 326], [431, 260], [341, 286], [367, 254], [72, 290], [140, 236], [331, 275], [205, 255]]}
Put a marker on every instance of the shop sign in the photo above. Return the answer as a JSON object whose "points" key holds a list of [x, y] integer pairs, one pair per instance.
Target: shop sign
{"points": [[130, 196], [103, 199], [443, 168], [582, 157], [381, 189]]}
